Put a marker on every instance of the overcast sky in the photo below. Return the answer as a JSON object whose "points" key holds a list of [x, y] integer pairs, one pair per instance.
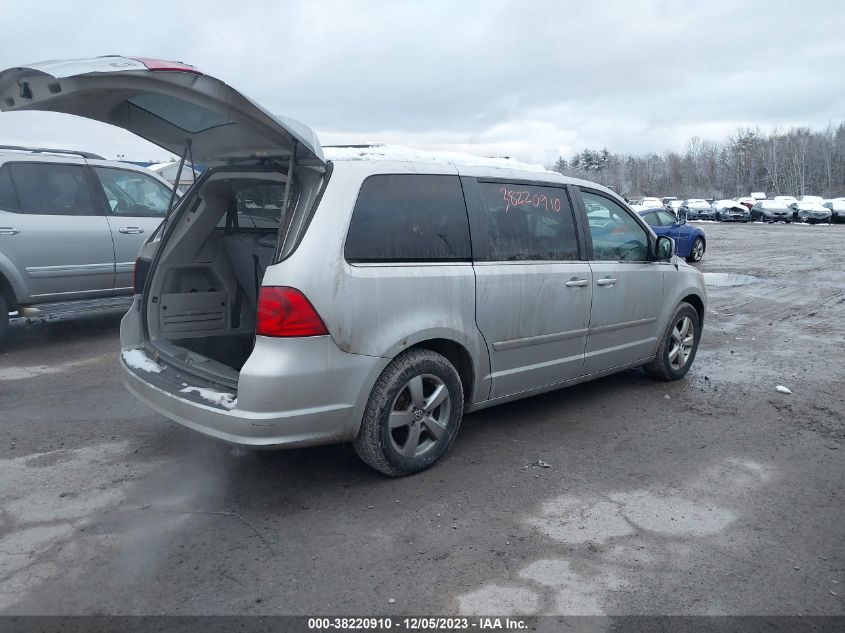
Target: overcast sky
{"points": [[527, 79]]}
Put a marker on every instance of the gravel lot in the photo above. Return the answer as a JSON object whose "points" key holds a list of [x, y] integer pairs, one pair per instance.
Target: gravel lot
{"points": [[712, 495]]}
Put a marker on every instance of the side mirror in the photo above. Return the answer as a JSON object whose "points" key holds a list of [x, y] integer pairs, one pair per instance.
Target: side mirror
{"points": [[664, 248]]}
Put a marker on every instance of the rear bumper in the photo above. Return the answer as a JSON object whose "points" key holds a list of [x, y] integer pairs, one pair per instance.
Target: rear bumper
{"points": [[291, 393]]}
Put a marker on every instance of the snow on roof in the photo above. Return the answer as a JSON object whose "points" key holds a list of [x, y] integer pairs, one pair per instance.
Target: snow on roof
{"points": [[811, 205], [160, 166], [409, 154]]}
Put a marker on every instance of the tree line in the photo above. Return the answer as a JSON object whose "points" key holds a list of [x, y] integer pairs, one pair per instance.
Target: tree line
{"points": [[795, 161]]}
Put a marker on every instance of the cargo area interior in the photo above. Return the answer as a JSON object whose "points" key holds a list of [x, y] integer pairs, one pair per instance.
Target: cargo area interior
{"points": [[201, 304]]}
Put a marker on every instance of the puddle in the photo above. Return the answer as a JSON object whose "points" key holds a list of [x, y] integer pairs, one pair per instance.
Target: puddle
{"points": [[726, 280]]}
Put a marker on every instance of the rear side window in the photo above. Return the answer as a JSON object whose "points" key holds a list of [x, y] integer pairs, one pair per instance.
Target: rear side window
{"points": [[8, 199], [409, 218], [527, 222], [52, 189]]}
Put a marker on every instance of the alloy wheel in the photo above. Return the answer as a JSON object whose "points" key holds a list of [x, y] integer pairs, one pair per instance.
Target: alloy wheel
{"points": [[419, 415], [683, 337]]}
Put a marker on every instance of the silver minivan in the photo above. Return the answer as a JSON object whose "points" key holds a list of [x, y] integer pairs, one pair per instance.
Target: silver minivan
{"points": [[367, 295], [71, 224]]}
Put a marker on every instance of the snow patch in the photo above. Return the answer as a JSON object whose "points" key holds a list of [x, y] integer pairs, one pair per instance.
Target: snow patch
{"points": [[20, 373], [782, 389], [409, 154], [137, 359], [225, 400], [727, 280]]}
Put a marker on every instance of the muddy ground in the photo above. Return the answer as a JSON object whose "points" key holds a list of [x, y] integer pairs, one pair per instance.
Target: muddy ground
{"points": [[715, 494]]}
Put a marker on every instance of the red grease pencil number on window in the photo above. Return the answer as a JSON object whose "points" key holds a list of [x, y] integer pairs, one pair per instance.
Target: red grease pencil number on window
{"points": [[504, 191], [514, 198]]}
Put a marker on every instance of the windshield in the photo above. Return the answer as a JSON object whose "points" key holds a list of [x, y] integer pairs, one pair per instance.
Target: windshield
{"points": [[258, 205], [698, 204]]}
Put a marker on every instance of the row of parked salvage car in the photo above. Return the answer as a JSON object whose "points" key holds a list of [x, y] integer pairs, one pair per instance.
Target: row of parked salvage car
{"points": [[808, 209]]}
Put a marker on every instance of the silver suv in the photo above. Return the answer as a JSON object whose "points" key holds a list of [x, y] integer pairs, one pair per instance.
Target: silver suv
{"points": [[365, 295], [71, 225]]}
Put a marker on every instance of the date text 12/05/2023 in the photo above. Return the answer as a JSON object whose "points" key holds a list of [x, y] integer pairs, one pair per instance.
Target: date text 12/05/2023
{"points": [[516, 198]]}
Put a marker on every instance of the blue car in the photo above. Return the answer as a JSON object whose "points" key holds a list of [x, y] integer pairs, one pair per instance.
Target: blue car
{"points": [[689, 240]]}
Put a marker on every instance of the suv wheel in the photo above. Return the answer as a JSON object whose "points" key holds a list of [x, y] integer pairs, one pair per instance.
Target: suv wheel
{"points": [[413, 414], [4, 317], [678, 347]]}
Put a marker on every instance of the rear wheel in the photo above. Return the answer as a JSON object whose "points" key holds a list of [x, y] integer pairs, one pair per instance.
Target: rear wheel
{"points": [[413, 414], [678, 346], [697, 250]]}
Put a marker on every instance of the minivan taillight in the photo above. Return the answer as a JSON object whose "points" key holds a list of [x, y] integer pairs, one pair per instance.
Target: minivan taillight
{"points": [[139, 274], [284, 311]]}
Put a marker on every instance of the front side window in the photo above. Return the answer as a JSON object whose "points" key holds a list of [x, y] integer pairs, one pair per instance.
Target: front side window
{"points": [[52, 189], [409, 218], [133, 193], [616, 235], [528, 222], [651, 219], [666, 219]]}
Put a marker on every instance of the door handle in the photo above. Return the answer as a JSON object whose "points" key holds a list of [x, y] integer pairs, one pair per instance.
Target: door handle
{"points": [[577, 283], [131, 230], [607, 281], [9, 230]]}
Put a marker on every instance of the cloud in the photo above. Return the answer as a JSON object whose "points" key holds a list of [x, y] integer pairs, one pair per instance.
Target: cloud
{"points": [[530, 80]]}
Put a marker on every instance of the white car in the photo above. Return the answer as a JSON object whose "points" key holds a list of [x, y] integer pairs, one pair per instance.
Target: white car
{"points": [[786, 200], [651, 203], [817, 199]]}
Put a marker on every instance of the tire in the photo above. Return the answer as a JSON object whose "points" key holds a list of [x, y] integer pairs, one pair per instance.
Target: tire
{"points": [[696, 251], [397, 449], [4, 318], [665, 368]]}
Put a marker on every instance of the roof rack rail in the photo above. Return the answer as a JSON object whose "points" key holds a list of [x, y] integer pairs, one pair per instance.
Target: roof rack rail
{"points": [[357, 145], [46, 150]]}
